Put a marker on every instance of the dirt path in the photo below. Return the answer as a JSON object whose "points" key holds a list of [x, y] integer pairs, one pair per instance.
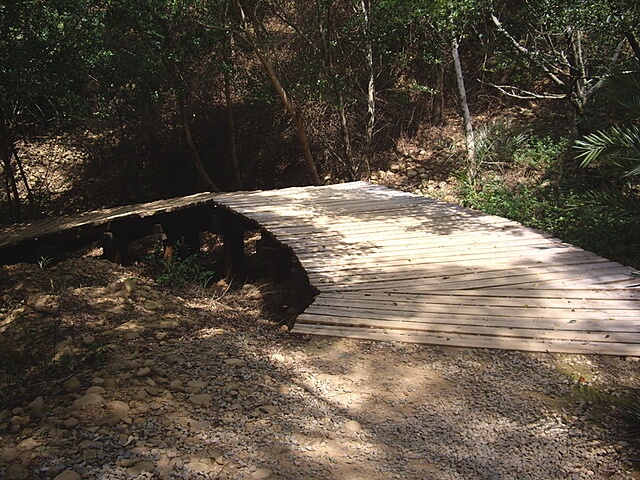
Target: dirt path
{"points": [[105, 376]]}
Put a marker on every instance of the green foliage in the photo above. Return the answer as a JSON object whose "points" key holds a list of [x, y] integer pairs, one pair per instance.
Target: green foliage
{"points": [[541, 152], [618, 144], [45, 262], [568, 211], [621, 144], [184, 268]]}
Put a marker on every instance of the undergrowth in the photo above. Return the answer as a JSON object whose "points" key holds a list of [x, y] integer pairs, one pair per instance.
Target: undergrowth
{"points": [[520, 184], [185, 267]]}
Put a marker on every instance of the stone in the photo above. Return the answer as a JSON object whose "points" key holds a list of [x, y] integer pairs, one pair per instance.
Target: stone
{"points": [[72, 384], [143, 372], [110, 383], [88, 399], [151, 305], [203, 399], [96, 389], [8, 455], [234, 362], [175, 385], [352, 426], [16, 472], [130, 335], [261, 473], [411, 173], [63, 345], [18, 421], [141, 467], [68, 475], [88, 340], [130, 285], [197, 384], [36, 408], [71, 422]]}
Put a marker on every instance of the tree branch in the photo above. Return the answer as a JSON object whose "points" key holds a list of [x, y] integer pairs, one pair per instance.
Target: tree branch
{"points": [[528, 53]]}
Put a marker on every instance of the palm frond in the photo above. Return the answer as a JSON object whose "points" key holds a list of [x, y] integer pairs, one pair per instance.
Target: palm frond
{"points": [[619, 143]]}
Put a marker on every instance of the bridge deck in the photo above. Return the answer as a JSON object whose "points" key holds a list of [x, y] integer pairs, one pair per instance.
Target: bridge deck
{"points": [[398, 267]]}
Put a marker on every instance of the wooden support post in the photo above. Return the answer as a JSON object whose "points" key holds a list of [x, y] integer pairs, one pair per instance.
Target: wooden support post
{"points": [[114, 248], [233, 246], [275, 256], [167, 243], [192, 240]]}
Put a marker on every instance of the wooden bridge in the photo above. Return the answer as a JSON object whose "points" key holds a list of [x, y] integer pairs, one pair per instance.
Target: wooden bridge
{"points": [[393, 266]]}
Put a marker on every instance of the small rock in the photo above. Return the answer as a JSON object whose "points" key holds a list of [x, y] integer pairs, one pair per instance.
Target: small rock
{"points": [[234, 362], [141, 467], [352, 426], [411, 173], [88, 340], [61, 346], [8, 455], [130, 335], [16, 472], [130, 285], [96, 389], [110, 383], [143, 372], [261, 473], [88, 399], [203, 399], [68, 475], [36, 408], [175, 385], [151, 305], [71, 422], [18, 421], [73, 384]]}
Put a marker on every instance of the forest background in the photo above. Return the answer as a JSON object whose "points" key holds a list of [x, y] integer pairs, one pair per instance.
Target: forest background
{"points": [[527, 110]]}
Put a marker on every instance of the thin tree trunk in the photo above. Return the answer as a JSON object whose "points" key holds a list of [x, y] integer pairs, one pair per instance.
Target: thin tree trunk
{"points": [[287, 102], [12, 188], [437, 112], [371, 88], [235, 164], [347, 149], [633, 42], [25, 181], [466, 115], [197, 161]]}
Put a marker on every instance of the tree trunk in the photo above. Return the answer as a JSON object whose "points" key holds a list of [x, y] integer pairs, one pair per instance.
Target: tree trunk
{"points": [[235, 165], [287, 102], [197, 161], [633, 42], [371, 88], [472, 166], [25, 180], [11, 187], [325, 32], [437, 110]]}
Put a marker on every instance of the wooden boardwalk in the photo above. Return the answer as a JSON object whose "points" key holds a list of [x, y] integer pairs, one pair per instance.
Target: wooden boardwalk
{"points": [[398, 267]]}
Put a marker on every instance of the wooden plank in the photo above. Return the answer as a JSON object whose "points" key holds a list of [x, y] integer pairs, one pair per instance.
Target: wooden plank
{"points": [[462, 276], [527, 317], [484, 330], [520, 309], [471, 341], [456, 299]]}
